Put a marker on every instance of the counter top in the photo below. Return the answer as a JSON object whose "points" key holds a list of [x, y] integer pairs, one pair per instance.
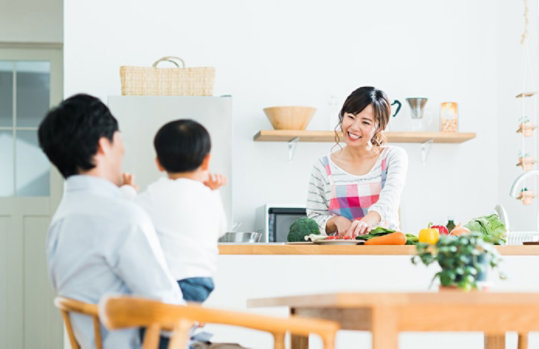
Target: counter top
{"points": [[309, 249]]}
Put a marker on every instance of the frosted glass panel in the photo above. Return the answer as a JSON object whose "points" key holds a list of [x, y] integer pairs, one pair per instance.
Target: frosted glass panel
{"points": [[6, 161], [32, 166], [33, 91], [6, 93]]}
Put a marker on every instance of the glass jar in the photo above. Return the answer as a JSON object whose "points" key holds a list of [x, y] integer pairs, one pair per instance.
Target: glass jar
{"points": [[448, 117]]}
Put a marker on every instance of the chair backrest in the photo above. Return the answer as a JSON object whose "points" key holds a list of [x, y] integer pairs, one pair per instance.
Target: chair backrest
{"points": [[126, 311], [68, 305]]}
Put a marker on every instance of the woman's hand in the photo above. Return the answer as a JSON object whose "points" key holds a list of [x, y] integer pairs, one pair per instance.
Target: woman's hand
{"points": [[337, 225], [357, 228], [364, 225]]}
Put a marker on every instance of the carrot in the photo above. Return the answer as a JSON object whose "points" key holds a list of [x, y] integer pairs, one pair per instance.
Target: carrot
{"points": [[396, 238]]}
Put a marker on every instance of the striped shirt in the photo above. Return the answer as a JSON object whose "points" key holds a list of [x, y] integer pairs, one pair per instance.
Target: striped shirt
{"points": [[387, 205]]}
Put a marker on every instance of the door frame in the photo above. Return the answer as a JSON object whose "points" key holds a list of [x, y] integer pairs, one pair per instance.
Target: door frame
{"points": [[29, 315]]}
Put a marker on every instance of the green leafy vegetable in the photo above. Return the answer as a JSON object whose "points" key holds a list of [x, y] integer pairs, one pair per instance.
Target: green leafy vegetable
{"points": [[491, 228], [378, 231]]}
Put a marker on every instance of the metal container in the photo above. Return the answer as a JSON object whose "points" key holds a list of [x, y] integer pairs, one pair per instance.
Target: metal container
{"points": [[241, 237]]}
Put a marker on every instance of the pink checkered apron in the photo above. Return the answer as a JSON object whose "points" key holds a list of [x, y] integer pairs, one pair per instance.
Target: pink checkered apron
{"points": [[353, 200]]}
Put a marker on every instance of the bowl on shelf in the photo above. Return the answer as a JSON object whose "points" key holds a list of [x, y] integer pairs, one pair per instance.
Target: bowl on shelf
{"points": [[290, 117], [241, 237]]}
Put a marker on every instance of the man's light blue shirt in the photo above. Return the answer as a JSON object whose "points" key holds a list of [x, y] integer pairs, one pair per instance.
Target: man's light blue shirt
{"points": [[100, 243]]}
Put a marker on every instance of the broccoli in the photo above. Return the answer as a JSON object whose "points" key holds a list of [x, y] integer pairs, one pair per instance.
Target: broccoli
{"points": [[301, 227]]}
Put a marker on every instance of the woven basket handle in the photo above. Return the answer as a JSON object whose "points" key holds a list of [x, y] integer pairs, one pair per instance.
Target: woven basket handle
{"points": [[171, 59]]}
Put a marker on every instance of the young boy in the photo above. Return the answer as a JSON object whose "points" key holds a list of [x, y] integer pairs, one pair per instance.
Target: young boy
{"points": [[187, 214]]}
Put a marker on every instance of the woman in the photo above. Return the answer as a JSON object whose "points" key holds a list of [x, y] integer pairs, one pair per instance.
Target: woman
{"points": [[358, 187]]}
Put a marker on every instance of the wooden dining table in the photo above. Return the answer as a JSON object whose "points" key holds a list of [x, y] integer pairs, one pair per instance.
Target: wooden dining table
{"points": [[386, 314]]}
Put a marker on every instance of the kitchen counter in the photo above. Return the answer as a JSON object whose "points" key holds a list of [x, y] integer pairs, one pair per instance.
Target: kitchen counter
{"points": [[310, 249]]}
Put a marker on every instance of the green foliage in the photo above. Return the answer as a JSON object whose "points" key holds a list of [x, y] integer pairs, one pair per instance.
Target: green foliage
{"points": [[491, 228], [301, 227], [463, 259]]}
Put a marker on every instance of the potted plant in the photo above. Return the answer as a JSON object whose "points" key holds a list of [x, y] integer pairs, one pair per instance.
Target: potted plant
{"points": [[464, 260]]}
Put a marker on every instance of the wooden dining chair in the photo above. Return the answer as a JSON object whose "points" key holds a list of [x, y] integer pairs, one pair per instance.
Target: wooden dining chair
{"points": [[69, 305], [124, 312], [522, 341]]}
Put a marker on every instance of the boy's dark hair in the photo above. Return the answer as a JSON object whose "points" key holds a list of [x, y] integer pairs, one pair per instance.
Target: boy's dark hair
{"points": [[182, 145], [69, 134]]}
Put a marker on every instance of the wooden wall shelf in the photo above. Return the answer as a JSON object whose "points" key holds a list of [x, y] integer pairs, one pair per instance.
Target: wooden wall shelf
{"points": [[392, 137]]}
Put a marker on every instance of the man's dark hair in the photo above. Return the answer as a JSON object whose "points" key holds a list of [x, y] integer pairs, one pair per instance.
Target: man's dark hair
{"points": [[182, 145], [69, 134]]}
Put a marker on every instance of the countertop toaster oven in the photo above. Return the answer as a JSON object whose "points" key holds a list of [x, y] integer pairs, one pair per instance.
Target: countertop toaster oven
{"points": [[274, 220]]}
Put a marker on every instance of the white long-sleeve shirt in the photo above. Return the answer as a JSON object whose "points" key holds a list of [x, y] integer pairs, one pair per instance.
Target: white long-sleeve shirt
{"points": [[98, 243], [387, 206], [189, 219]]}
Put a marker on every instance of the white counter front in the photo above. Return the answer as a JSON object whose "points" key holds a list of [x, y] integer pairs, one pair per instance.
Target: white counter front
{"points": [[256, 271]]}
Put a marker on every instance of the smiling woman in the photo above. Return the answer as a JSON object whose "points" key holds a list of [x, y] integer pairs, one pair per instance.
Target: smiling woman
{"points": [[358, 187]]}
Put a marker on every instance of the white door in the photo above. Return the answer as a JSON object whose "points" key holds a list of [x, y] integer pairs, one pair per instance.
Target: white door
{"points": [[30, 189]]}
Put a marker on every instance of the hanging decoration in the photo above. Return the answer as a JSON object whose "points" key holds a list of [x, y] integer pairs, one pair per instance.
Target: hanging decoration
{"points": [[526, 162], [526, 127], [526, 196], [528, 106]]}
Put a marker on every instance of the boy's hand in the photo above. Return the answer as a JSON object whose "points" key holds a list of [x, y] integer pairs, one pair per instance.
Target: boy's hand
{"points": [[215, 181], [129, 179]]}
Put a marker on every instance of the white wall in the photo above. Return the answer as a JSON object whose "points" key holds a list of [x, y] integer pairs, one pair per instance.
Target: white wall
{"points": [[31, 21], [302, 52]]}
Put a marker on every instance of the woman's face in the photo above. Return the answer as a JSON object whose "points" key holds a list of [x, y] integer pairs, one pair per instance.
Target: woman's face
{"points": [[359, 129]]}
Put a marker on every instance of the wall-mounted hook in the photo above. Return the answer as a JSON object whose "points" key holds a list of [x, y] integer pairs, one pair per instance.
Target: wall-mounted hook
{"points": [[292, 147], [425, 149]]}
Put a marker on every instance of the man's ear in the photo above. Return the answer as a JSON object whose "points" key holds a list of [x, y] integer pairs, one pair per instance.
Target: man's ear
{"points": [[205, 163], [159, 166], [103, 146]]}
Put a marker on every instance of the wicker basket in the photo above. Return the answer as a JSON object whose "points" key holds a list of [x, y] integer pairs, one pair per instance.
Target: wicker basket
{"points": [[153, 81]]}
